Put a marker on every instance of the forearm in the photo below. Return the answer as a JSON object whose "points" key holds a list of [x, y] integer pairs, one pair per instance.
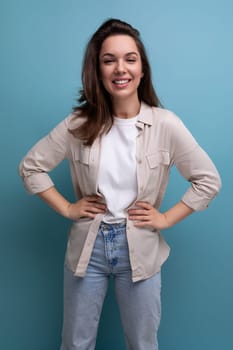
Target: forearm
{"points": [[177, 213], [88, 206], [55, 200]]}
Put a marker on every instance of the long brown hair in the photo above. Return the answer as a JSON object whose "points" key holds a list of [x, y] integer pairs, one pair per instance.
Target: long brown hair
{"points": [[94, 101]]}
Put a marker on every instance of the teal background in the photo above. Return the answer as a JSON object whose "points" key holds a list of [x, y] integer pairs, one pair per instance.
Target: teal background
{"points": [[191, 52]]}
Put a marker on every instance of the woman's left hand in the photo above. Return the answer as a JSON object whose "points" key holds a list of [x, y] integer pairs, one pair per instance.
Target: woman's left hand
{"points": [[144, 214]]}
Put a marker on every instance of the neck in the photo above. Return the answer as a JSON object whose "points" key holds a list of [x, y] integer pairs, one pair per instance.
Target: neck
{"points": [[126, 109]]}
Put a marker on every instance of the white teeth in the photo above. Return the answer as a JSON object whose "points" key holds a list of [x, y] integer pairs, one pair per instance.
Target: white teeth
{"points": [[121, 81]]}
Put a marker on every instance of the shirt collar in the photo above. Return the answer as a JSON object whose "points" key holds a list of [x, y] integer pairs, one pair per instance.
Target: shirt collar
{"points": [[145, 116]]}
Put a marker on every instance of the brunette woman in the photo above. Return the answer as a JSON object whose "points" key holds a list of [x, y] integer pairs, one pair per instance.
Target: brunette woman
{"points": [[121, 145]]}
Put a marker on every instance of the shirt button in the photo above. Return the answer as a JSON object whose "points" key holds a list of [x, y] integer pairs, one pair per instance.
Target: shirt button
{"points": [[139, 161]]}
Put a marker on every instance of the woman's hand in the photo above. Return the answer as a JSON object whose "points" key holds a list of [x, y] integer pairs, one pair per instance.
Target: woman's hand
{"points": [[147, 215], [86, 207]]}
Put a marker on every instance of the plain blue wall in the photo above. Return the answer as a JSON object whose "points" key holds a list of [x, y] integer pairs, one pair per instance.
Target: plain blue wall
{"points": [[191, 53]]}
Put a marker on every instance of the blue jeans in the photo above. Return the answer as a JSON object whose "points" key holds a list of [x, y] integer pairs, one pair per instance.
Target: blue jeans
{"points": [[139, 302]]}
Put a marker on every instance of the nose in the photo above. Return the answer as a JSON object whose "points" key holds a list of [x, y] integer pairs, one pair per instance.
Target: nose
{"points": [[120, 67]]}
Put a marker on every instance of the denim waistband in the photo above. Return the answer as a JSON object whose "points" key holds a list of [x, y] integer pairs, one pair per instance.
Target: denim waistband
{"points": [[113, 225]]}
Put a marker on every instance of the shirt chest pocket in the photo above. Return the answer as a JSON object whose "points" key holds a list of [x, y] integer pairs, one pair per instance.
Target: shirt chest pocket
{"points": [[157, 171], [82, 155], [158, 159]]}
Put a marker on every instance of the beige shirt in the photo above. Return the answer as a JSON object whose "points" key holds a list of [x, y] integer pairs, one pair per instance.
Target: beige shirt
{"points": [[162, 141]]}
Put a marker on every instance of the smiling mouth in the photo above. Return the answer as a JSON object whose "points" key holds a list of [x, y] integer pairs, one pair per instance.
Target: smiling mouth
{"points": [[121, 81]]}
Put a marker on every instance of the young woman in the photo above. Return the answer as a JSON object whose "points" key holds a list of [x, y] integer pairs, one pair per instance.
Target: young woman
{"points": [[121, 145]]}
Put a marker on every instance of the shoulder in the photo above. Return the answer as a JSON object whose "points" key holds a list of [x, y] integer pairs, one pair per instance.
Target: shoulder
{"points": [[165, 124], [71, 122], [160, 117], [63, 129], [165, 116], [74, 120]]}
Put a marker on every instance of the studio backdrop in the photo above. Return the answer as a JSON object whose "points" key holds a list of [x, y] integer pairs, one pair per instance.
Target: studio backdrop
{"points": [[191, 53]]}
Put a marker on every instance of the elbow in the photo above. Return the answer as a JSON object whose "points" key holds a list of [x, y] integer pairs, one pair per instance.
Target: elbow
{"points": [[217, 185], [201, 193], [21, 169], [210, 184]]}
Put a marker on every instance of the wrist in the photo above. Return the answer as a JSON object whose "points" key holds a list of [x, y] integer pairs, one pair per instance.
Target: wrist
{"points": [[177, 213], [68, 211], [166, 223]]}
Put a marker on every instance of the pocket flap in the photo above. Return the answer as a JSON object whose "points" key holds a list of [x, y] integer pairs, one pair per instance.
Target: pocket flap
{"points": [[82, 155], [161, 157]]}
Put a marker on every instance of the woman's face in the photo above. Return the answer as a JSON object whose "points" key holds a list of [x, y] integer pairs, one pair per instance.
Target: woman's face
{"points": [[120, 67]]}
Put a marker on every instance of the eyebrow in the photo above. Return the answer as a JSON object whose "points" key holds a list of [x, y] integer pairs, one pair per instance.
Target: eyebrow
{"points": [[112, 55]]}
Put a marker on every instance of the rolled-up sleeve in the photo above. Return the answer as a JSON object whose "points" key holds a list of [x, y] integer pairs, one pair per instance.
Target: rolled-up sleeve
{"points": [[195, 165], [44, 156]]}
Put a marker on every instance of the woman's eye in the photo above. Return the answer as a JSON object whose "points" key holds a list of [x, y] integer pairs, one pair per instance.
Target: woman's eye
{"points": [[108, 61], [131, 60]]}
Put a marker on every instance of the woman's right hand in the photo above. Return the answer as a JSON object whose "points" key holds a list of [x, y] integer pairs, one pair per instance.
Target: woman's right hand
{"points": [[88, 206]]}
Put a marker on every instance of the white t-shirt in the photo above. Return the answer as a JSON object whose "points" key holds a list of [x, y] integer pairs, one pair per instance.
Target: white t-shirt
{"points": [[117, 172]]}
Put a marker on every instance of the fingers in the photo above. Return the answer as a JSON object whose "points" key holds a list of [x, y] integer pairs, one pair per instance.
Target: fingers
{"points": [[96, 205], [144, 205], [94, 201], [91, 199], [133, 212], [141, 208], [92, 205], [143, 214], [88, 206], [143, 223], [140, 219], [95, 210]]}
